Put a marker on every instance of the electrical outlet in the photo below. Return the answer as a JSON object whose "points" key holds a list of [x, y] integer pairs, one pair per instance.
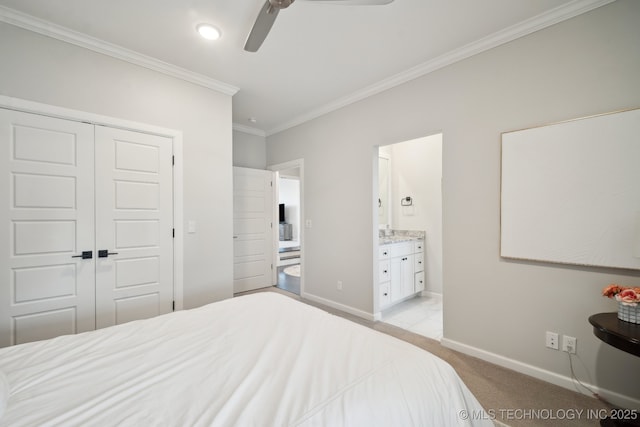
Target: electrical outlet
{"points": [[339, 285], [552, 340], [569, 344]]}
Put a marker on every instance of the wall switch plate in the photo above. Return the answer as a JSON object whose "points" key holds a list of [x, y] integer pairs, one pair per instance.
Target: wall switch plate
{"points": [[569, 344], [552, 340], [339, 285], [308, 223]]}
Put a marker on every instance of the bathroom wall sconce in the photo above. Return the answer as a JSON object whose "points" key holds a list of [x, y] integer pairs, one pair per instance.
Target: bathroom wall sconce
{"points": [[406, 201]]}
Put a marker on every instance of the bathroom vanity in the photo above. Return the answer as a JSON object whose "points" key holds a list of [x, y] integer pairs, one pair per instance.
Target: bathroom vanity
{"points": [[401, 268]]}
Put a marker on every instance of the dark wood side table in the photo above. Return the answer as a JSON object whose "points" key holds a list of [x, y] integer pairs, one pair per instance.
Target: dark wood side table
{"points": [[621, 335]]}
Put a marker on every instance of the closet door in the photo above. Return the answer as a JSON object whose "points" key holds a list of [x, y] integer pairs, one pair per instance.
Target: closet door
{"points": [[134, 226], [46, 223]]}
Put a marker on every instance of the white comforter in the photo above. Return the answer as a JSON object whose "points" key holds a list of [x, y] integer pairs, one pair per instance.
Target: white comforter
{"points": [[257, 360]]}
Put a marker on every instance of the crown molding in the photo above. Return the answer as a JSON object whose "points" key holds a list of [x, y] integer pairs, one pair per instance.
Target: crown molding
{"points": [[249, 130], [58, 32], [554, 16], [544, 20]]}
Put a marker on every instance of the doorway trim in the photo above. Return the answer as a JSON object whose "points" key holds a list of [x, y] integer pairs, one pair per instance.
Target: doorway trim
{"points": [[297, 163], [33, 107]]}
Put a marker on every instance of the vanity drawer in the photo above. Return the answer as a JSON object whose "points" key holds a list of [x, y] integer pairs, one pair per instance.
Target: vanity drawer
{"points": [[401, 249], [384, 273], [418, 262], [385, 294], [418, 246], [419, 282], [383, 251]]}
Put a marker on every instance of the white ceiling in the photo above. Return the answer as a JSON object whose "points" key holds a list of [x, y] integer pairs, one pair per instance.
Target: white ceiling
{"points": [[317, 57]]}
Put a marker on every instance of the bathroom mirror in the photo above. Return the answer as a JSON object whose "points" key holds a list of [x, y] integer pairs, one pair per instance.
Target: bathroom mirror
{"points": [[384, 185]]}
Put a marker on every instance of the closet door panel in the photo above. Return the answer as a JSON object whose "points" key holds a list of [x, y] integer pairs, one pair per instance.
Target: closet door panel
{"points": [[47, 218], [134, 223]]}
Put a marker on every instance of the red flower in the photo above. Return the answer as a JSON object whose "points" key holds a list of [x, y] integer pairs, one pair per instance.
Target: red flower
{"points": [[612, 290], [629, 296], [625, 295]]}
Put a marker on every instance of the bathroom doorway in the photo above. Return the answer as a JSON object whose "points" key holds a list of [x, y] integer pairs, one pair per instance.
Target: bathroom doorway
{"points": [[289, 247], [410, 203]]}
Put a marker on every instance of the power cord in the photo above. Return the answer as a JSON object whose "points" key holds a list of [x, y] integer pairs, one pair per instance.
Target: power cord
{"points": [[575, 378]]}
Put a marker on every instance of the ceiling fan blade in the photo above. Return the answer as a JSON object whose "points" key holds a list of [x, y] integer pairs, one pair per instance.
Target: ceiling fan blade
{"points": [[354, 2], [261, 27]]}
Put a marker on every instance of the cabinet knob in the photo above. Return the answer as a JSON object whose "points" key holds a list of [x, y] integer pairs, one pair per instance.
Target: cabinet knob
{"points": [[384, 271], [385, 294]]}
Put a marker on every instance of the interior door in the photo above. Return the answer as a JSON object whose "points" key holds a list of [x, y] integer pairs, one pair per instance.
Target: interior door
{"points": [[46, 224], [134, 226], [252, 229]]}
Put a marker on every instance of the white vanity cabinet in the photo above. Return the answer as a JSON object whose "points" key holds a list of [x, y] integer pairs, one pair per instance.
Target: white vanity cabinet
{"points": [[401, 271], [384, 276], [418, 259]]}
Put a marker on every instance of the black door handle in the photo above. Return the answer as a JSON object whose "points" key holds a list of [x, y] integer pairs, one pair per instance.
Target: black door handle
{"points": [[84, 255], [103, 253]]}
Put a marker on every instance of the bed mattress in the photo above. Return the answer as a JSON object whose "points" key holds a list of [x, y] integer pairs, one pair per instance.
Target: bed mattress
{"points": [[258, 360]]}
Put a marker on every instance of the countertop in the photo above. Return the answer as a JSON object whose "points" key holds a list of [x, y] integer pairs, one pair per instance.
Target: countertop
{"points": [[401, 236]]}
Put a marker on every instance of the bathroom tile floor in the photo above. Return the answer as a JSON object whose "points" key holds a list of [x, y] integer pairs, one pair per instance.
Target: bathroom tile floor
{"points": [[421, 315]]}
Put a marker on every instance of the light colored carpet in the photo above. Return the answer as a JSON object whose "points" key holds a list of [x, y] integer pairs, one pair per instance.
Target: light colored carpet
{"points": [[515, 399]]}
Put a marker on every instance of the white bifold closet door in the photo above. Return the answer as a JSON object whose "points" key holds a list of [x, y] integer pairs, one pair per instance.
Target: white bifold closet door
{"points": [[85, 226]]}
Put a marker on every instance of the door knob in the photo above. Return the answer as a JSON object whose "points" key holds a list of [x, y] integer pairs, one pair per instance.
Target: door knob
{"points": [[103, 253], [84, 255]]}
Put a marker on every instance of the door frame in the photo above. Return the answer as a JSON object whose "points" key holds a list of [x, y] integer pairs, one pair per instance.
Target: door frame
{"points": [[33, 107], [297, 163]]}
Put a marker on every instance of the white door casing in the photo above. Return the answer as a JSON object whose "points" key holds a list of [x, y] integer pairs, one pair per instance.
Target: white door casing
{"points": [[252, 229], [46, 221], [134, 225]]}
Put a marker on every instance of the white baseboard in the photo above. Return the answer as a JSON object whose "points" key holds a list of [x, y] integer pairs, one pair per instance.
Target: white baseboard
{"points": [[341, 307], [430, 294], [542, 374]]}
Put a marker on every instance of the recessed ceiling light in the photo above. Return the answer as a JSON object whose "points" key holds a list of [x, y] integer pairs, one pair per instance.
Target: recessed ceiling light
{"points": [[253, 120], [208, 31]]}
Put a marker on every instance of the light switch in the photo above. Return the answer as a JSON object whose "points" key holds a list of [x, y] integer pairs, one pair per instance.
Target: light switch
{"points": [[191, 227], [308, 223]]}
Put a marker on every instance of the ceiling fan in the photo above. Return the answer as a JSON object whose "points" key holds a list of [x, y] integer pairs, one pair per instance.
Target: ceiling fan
{"points": [[271, 8]]}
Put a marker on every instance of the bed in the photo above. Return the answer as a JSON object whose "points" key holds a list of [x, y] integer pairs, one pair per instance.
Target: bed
{"points": [[262, 359]]}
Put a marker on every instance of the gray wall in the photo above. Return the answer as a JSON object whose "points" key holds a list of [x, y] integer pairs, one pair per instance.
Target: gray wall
{"points": [[45, 70], [584, 66], [249, 151]]}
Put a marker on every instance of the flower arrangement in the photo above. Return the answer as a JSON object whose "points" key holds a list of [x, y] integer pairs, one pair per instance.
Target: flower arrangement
{"points": [[623, 294]]}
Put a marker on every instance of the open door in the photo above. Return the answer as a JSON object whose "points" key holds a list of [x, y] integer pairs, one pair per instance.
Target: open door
{"points": [[252, 229]]}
